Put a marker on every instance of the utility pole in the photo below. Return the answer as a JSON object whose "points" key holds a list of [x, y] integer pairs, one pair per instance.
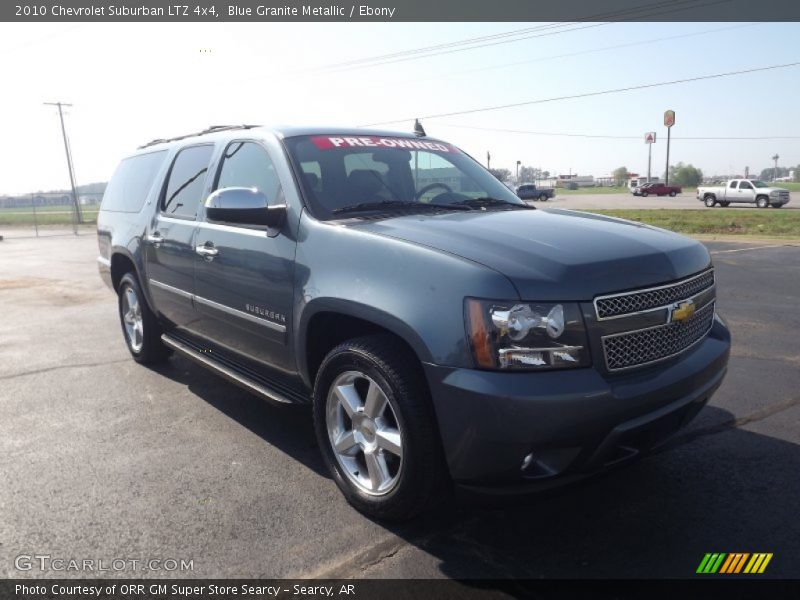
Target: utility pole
{"points": [[519, 162], [60, 106], [488, 160], [775, 172]]}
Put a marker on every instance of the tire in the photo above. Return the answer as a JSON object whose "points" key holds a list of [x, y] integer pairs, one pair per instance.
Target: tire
{"points": [[710, 201], [398, 446], [543, 197], [644, 194], [672, 194], [724, 204], [140, 327], [762, 202]]}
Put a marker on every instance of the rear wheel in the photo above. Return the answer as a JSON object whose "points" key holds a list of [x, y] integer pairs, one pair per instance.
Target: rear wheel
{"points": [[140, 326], [672, 194], [644, 194], [762, 202], [377, 430], [543, 197]]}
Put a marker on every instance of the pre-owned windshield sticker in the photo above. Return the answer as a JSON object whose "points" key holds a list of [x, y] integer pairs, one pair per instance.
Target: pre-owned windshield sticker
{"points": [[371, 141]]}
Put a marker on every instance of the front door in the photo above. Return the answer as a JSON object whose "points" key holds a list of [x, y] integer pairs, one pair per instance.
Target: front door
{"points": [[169, 242], [244, 275], [746, 192]]}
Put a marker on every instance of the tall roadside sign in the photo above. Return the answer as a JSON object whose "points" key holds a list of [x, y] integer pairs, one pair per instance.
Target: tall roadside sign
{"points": [[669, 121], [649, 139]]}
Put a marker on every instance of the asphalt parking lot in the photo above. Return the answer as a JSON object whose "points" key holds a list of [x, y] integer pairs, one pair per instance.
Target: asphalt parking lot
{"points": [[103, 458], [613, 201]]}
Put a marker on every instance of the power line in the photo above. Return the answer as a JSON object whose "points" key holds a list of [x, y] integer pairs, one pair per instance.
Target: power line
{"points": [[670, 6], [590, 94], [618, 137], [584, 52]]}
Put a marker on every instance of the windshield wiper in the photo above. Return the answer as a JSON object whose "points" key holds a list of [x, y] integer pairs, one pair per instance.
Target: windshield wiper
{"points": [[486, 201], [394, 204]]}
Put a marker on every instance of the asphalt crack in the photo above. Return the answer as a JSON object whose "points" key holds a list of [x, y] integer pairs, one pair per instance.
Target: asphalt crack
{"points": [[728, 425], [60, 367]]}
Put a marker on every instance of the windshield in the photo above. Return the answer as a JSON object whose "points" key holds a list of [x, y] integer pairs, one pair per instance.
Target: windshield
{"points": [[344, 174], [759, 184]]}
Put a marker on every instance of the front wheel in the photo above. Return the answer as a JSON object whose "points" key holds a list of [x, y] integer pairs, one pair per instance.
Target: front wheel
{"points": [[644, 194], [139, 325], [543, 197], [709, 201], [376, 428], [672, 194], [762, 202]]}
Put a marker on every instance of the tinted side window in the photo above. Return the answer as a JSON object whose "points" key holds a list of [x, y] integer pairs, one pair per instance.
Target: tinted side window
{"points": [[247, 164], [733, 185], [132, 182], [745, 186], [186, 180]]}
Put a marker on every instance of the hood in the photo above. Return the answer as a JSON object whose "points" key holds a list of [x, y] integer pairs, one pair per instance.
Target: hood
{"points": [[554, 254]]}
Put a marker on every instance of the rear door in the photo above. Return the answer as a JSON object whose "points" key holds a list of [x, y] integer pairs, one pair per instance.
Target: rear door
{"points": [[244, 286], [169, 246]]}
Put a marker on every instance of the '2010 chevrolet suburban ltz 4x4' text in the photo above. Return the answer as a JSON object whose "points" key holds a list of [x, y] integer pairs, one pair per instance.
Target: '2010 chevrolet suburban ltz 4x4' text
{"points": [[444, 331]]}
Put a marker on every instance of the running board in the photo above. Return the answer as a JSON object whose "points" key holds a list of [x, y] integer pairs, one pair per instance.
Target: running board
{"points": [[259, 388]]}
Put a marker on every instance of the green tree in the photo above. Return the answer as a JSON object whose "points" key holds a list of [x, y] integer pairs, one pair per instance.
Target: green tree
{"points": [[620, 176], [769, 173], [685, 175], [501, 174], [797, 174]]}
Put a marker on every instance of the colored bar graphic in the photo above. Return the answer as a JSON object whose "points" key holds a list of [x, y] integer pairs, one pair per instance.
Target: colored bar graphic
{"points": [[741, 562], [722, 563], [765, 563]]}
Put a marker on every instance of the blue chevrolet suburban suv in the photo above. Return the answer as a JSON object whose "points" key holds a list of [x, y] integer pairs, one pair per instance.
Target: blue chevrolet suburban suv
{"points": [[445, 333]]}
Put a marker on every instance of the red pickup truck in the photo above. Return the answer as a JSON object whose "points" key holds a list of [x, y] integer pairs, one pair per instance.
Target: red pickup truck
{"points": [[656, 189]]}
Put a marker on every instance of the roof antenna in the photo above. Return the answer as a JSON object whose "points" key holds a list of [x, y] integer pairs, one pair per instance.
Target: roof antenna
{"points": [[418, 130]]}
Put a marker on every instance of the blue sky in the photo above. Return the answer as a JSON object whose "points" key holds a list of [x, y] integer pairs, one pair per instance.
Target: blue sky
{"points": [[133, 82]]}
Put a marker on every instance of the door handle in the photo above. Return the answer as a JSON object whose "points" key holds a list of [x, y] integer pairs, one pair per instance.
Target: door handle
{"points": [[155, 238], [206, 250]]}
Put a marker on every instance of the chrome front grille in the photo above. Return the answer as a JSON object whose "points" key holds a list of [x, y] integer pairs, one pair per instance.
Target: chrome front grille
{"points": [[619, 305], [638, 348]]}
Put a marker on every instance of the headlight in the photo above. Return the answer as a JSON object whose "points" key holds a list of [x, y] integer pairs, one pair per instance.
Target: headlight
{"points": [[524, 335]]}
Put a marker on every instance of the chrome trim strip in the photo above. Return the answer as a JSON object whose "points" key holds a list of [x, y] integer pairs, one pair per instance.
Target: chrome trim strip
{"points": [[663, 358], [233, 229], [241, 314], [221, 307], [169, 288], [104, 261], [651, 289], [226, 372]]}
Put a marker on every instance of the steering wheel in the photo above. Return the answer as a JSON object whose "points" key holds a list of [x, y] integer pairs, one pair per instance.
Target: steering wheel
{"points": [[431, 186]]}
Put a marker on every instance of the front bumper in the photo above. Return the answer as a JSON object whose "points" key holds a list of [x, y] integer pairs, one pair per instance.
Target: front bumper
{"points": [[569, 423]]}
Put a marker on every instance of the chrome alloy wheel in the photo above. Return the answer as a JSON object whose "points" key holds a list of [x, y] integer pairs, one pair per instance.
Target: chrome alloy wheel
{"points": [[132, 319], [364, 433]]}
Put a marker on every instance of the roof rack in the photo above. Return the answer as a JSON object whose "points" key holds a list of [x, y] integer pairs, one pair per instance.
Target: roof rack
{"points": [[212, 129]]}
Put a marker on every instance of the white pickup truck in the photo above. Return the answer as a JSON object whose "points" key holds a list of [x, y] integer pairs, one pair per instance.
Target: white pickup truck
{"points": [[751, 191]]}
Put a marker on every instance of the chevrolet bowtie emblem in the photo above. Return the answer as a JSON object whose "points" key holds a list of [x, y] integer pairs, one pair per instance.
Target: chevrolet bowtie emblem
{"points": [[682, 310]]}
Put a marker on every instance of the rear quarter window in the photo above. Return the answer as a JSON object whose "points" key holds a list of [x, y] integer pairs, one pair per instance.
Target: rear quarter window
{"points": [[132, 182]]}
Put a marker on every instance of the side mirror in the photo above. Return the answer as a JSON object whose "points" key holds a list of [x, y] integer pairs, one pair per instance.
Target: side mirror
{"points": [[244, 206]]}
